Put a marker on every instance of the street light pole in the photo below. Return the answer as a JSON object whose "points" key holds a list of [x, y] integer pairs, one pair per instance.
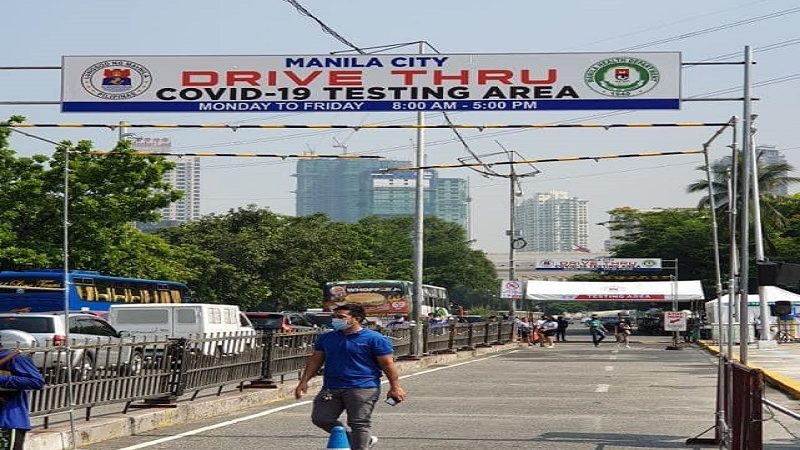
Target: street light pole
{"points": [[419, 225]]}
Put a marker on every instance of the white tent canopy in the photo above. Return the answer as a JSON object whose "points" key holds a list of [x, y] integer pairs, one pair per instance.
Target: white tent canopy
{"points": [[628, 291], [772, 294]]}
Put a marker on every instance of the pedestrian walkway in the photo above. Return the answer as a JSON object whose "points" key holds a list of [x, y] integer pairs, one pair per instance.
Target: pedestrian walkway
{"points": [[780, 365]]}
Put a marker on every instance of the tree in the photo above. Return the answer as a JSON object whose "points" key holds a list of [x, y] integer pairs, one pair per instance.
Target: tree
{"points": [[682, 234], [106, 193], [770, 177], [276, 262]]}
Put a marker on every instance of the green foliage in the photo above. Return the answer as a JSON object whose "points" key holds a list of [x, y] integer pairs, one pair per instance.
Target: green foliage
{"points": [[275, 262], [106, 193], [481, 310], [682, 234], [785, 239]]}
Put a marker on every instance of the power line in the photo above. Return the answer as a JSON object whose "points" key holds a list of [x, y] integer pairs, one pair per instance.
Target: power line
{"points": [[547, 160], [322, 25], [703, 31]]}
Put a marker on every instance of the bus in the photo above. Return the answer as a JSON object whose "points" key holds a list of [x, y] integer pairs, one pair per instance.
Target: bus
{"points": [[383, 298], [42, 290]]}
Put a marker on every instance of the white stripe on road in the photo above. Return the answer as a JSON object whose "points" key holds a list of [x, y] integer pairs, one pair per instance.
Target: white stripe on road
{"points": [[600, 388], [282, 408], [609, 368]]}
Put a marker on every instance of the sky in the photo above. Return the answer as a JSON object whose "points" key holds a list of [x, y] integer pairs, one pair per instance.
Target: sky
{"points": [[38, 33]]}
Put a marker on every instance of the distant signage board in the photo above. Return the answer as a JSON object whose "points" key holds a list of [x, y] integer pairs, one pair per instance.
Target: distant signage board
{"points": [[674, 321], [511, 289], [600, 264], [341, 83]]}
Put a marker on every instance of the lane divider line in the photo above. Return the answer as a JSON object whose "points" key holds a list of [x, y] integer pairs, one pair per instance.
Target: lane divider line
{"points": [[602, 388]]}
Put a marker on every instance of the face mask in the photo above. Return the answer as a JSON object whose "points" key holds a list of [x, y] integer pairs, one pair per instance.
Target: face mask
{"points": [[339, 324]]}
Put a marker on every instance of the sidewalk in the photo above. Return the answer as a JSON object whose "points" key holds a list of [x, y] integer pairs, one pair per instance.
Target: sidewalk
{"points": [[780, 365]]}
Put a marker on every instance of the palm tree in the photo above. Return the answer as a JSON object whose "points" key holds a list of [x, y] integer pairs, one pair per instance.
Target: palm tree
{"points": [[770, 178]]}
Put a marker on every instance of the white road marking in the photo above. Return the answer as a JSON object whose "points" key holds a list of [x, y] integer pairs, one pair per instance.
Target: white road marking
{"points": [[609, 368], [285, 407], [600, 388]]}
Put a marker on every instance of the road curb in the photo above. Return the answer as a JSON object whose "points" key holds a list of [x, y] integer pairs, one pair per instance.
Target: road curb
{"points": [[141, 421], [775, 378]]}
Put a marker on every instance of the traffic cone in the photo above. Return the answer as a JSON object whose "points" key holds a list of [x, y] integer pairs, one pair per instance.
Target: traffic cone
{"points": [[338, 439]]}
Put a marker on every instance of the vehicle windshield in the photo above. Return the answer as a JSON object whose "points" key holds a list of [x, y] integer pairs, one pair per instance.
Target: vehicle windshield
{"points": [[28, 324], [266, 323], [320, 320]]}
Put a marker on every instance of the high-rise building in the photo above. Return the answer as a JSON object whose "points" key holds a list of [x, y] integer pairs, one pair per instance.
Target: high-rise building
{"points": [[553, 222], [350, 189], [339, 188], [185, 177], [395, 193], [769, 154], [452, 201]]}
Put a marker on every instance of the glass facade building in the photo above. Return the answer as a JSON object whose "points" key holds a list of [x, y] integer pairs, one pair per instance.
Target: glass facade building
{"points": [[349, 190]]}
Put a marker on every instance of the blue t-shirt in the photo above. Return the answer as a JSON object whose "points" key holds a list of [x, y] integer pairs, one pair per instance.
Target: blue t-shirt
{"points": [[23, 376], [350, 359]]}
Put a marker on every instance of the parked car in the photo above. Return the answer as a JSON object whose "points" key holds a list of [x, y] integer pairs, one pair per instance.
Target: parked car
{"points": [[85, 330], [470, 319], [284, 322], [320, 320]]}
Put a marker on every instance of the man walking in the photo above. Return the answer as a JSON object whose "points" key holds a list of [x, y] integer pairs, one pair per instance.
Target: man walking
{"points": [[597, 330], [354, 358], [17, 375]]}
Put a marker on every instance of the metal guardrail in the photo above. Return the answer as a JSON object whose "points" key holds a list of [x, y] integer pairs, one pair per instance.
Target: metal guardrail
{"points": [[137, 371], [161, 371]]}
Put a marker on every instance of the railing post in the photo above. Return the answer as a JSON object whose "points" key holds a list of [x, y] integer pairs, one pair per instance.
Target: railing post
{"points": [[426, 329], [451, 340], [267, 346]]}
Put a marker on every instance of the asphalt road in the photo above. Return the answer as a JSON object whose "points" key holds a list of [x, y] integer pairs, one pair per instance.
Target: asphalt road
{"points": [[574, 396]]}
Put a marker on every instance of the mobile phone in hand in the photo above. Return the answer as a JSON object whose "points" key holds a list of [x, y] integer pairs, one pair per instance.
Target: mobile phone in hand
{"points": [[391, 401]]}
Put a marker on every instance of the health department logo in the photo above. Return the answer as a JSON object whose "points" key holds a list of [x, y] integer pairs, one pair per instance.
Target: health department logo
{"points": [[116, 79], [622, 77]]}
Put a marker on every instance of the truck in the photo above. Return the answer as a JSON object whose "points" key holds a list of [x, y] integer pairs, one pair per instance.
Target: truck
{"points": [[223, 328]]}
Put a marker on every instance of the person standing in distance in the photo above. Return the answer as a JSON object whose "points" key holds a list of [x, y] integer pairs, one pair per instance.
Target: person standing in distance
{"points": [[18, 374], [354, 358]]}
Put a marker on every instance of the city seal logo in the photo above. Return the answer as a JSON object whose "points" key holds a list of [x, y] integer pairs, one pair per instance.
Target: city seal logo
{"points": [[622, 76], [116, 79]]}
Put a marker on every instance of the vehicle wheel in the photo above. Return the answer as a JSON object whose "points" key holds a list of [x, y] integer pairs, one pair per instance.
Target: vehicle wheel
{"points": [[135, 365], [87, 366]]}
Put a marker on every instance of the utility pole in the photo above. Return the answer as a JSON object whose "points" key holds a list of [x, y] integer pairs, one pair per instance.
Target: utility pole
{"points": [[514, 242]]}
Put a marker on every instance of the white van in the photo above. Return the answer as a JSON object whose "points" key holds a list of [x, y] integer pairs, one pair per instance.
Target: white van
{"points": [[185, 320]]}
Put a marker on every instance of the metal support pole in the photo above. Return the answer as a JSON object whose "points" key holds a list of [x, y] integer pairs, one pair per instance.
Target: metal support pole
{"points": [[419, 224], [744, 235], [733, 200], [765, 338], [512, 275], [70, 393]]}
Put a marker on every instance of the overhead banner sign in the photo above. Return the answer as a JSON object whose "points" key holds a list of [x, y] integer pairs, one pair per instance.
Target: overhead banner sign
{"points": [[318, 83], [600, 264]]}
